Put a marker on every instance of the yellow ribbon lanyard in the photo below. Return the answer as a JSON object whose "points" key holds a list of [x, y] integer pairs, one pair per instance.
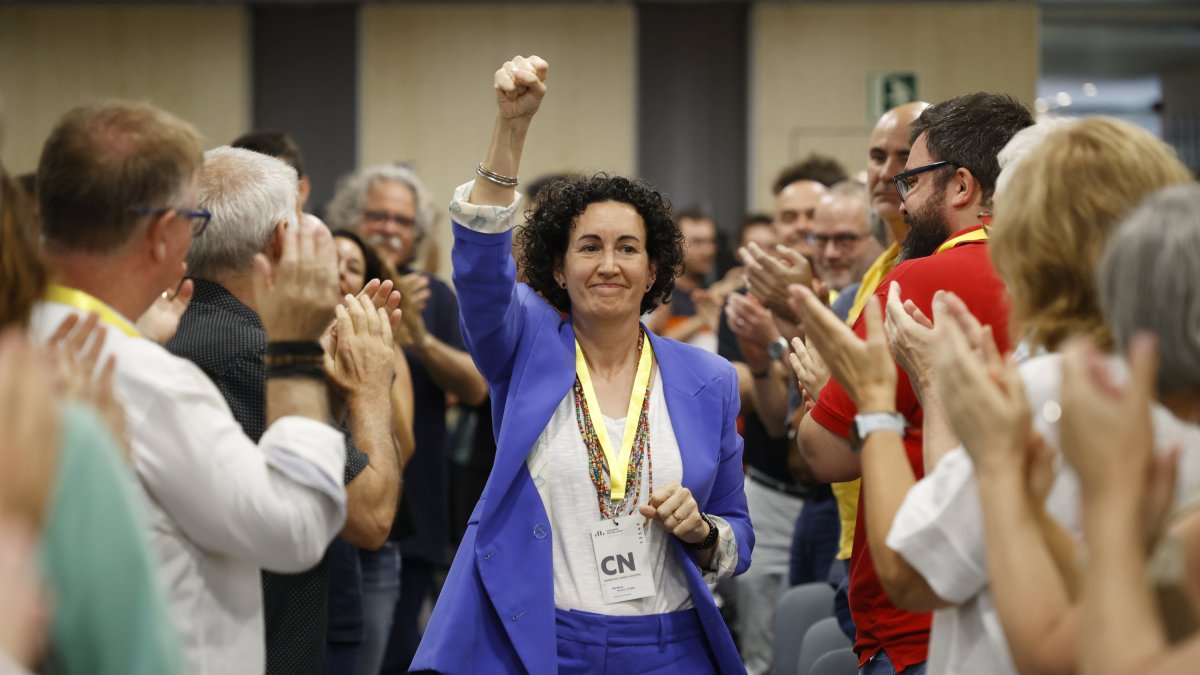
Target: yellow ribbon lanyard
{"points": [[89, 303], [618, 464], [964, 238]]}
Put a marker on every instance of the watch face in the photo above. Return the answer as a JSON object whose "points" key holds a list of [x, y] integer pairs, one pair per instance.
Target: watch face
{"points": [[777, 348]]}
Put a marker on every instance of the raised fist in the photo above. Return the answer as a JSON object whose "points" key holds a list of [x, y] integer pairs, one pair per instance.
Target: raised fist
{"points": [[520, 85]]}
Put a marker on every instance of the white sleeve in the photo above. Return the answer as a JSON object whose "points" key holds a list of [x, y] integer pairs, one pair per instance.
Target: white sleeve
{"points": [[276, 505], [725, 553], [486, 219], [939, 529]]}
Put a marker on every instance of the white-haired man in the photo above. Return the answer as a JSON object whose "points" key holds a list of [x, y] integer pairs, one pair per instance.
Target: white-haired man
{"points": [[117, 193], [252, 198], [387, 205]]}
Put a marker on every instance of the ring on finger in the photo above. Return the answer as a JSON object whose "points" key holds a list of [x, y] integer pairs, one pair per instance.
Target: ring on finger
{"points": [[741, 322]]}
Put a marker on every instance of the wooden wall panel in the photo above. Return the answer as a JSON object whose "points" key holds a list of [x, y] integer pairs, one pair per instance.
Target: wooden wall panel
{"points": [[810, 66], [193, 61], [427, 97]]}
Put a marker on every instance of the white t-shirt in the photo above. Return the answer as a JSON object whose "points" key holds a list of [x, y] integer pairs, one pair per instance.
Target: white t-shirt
{"points": [[558, 464], [939, 528]]}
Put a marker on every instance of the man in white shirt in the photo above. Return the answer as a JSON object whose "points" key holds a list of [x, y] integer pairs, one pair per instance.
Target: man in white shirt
{"points": [[118, 197]]}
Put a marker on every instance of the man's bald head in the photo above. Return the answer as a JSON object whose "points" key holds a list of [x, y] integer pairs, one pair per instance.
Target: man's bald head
{"points": [[886, 156]]}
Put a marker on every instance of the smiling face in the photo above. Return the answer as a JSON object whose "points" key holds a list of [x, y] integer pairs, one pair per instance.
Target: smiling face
{"points": [[388, 221], [352, 266], [794, 206], [606, 269], [844, 247]]}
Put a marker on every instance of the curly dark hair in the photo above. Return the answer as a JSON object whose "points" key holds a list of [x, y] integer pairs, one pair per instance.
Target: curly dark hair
{"points": [[543, 240]]}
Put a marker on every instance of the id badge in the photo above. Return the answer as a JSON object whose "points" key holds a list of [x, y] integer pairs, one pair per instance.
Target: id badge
{"points": [[622, 559]]}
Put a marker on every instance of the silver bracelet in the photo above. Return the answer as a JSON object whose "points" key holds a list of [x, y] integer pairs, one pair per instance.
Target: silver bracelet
{"points": [[493, 177]]}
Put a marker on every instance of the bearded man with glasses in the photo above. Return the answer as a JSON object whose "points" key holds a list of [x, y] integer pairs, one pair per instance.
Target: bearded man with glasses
{"points": [[945, 198]]}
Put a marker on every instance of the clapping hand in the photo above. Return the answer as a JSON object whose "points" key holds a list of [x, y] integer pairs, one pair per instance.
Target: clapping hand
{"points": [[25, 619], [769, 276], [29, 429], [295, 299], [75, 348], [983, 396], [811, 372], [1107, 434], [913, 337], [381, 296], [863, 367], [363, 361], [415, 290], [160, 322]]}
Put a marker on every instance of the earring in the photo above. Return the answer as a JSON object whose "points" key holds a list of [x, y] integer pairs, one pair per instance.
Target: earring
{"points": [[563, 284]]}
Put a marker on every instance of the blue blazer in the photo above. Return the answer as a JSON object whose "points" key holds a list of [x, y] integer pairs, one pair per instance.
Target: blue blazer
{"points": [[496, 610]]}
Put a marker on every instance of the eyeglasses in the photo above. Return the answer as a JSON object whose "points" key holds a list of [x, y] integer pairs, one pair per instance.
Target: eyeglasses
{"points": [[199, 218], [841, 240], [381, 217], [905, 181]]}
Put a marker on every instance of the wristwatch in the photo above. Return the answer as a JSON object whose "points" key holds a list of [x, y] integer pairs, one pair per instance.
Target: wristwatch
{"points": [[867, 423], [777, 348], [710, 540]]}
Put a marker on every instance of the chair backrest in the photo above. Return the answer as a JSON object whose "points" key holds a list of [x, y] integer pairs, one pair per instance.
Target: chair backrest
{"points": [[799, 608], [837, 662], [825, 636]]}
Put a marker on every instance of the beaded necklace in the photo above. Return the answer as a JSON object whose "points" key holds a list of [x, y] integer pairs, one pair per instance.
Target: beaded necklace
{"points": [[640, 453]]}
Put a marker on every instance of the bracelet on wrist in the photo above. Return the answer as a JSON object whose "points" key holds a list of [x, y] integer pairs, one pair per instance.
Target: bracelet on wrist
{"points": [[310, 371], [495, 178], [294, 348], [710, 540], [296, 358]]}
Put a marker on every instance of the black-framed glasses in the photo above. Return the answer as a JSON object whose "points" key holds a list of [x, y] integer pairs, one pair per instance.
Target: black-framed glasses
{"points": [[841, 240], [381, 217], [906, 180], [199, 218]]}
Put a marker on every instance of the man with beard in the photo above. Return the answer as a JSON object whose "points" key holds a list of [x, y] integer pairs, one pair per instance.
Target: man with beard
{"points": [[945, 196]]}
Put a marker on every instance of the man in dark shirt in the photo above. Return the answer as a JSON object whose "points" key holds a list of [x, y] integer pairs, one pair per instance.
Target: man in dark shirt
{"points": [[253, 198], [387, 206]]}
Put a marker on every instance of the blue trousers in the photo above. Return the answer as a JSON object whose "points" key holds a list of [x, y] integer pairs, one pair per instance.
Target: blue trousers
{"points": [[656, 643], [380, 592], [880, 664]]}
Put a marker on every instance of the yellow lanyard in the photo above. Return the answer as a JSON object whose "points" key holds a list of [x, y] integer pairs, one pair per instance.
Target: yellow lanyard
{"points": [[89, 303], [964, 238], [618, 464]]}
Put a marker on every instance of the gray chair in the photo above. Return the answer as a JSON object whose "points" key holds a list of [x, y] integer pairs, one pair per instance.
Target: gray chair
{"points": [[825, 636], [799, 608], [837, 662]]}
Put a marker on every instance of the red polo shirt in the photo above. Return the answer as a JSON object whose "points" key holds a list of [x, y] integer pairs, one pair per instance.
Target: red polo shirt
{"points": [[961, 266]]}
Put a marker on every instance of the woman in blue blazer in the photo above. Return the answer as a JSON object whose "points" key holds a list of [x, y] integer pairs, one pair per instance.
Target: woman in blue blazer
{"points": [[566, 566]]}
